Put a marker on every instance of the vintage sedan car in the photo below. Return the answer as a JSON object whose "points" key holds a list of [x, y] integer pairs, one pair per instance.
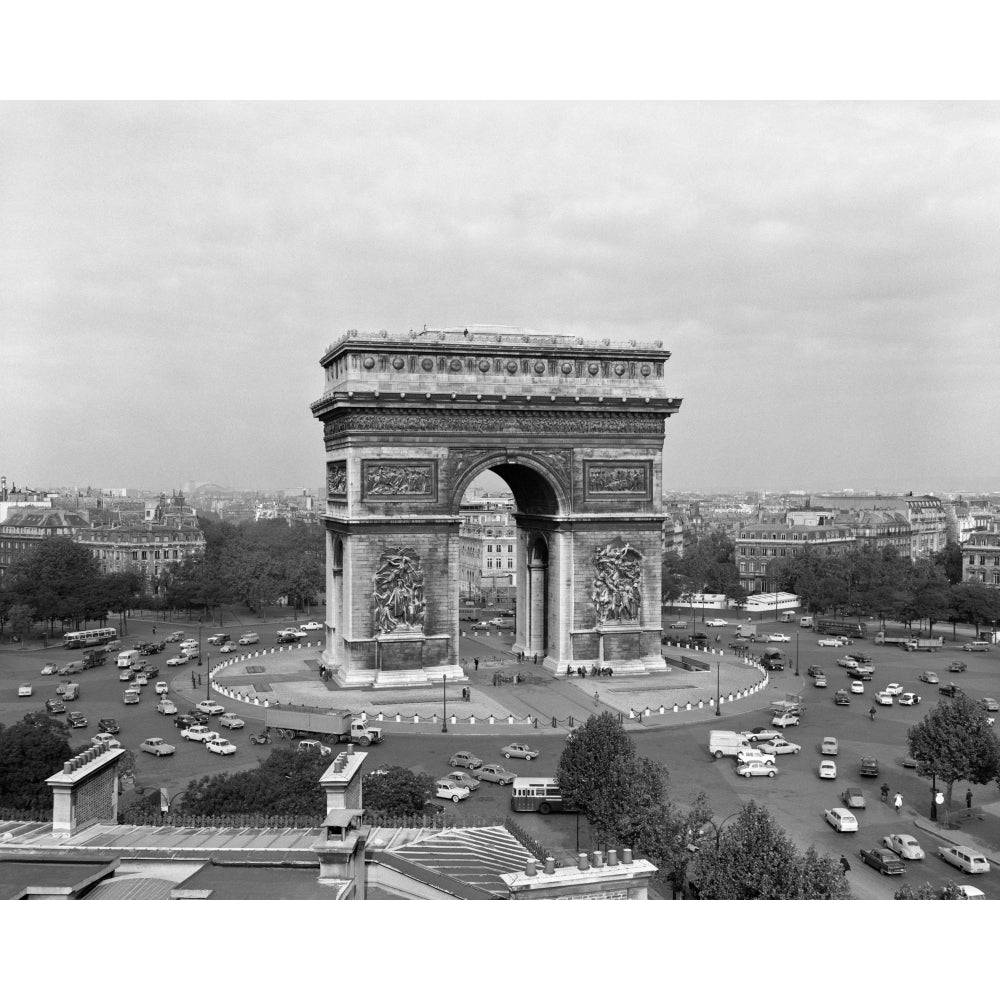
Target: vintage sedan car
{"points": [[157, 747], [166, 707], [105, 741], [853, 798], [815, 670], [228, 647], [842, 820], [210, 707], [521, 750], [970, 892], [297, 632], [760, 733], [778, 637], [883, 698], [127, 675], [756, 769], [990, 704], [847, 661], [845, 640], [77, 720], [231, 721], [786, 719], [868, 768], [199, 733], [496, 773], [828, 769], [908, 698], [908, 760], [716, 623], [141, 679], [463, 780], [894, 688], [445, 789], [819, 682], [54, 706], [857, 687], [220, 745], [678, 624], [882, 860], [969, 859], [904, 845], [957, 667], [780, 745], [861, 673], [312, 627], [829, 642], [178, 661], [25, 691], [108, 725], [949, 690], [162, 687], [466, 759], [841, 698], [175, 637], [49, 668], [314, 747], [929, 677], [746, 754], [829, 746]]}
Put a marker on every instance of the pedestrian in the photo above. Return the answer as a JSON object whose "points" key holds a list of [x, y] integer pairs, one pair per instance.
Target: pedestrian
{"points": [[476, 662], [968, 799], [194, 683], [898, 802], [885, 791], [845, 864], [597, 698], [199, 680], [154, 630], [536, 658], [871, 713], [718, 637]]}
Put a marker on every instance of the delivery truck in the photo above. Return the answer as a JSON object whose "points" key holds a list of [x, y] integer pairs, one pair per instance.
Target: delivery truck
{"points": [[881, 639], [291, 723]]}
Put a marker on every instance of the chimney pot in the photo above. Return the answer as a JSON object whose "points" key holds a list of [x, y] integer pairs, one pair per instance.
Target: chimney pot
{"points": [[529, 868], [582, 863], [627, 856], [612, 858], [68, 767], [550, 866], [598, 859], [350, 749]]}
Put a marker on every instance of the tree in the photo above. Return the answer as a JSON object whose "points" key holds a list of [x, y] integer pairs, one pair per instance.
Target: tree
{"points": [[31, 751], [755, 859], [955, 742], [949, 561], [396, 790], [927, 891], [21, 619]]}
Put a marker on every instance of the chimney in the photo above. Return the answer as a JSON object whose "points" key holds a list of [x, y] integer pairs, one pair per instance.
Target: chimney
{"points": [[550, 866], [598, 859], [529, 868], [627, 856], [350, 749], [582, 863], [612, 858]]}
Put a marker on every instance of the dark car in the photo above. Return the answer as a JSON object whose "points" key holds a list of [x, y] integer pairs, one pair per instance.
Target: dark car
{"points": [[882, 860], [816, 671], [841, 698], [868, 768], [286, 638], [958, 666], [861, 673], [191, 719], [860, 656], [54, 706], [108, 726], [949, 690], [698, 638], [146, 649], [77, 720]]}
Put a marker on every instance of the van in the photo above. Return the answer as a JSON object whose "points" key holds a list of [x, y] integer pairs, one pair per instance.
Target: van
{"points": [[746, 631], [113, 646], [788, 616], [977, 647], [249, 638], [127, 658], [726, 743], [72, 692], [806, 621]]}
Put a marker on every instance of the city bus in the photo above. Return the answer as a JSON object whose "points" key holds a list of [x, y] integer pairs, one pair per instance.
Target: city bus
{"points": [[540, 795], [89, 637]]}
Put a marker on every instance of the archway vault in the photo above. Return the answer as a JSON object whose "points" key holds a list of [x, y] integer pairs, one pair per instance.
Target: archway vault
{"points": [[575, 428]]}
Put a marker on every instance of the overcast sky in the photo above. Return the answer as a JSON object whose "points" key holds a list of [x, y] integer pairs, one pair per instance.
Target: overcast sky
{"points": [[825, 275]]}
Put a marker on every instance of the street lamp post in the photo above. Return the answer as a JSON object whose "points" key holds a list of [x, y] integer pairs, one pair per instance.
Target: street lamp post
{"points": [[718, 671], [796, 654], [444, 691], [199, 642]]}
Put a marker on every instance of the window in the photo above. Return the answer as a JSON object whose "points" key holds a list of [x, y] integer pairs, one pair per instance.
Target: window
{"points": [[510, 564], [489, 564]]}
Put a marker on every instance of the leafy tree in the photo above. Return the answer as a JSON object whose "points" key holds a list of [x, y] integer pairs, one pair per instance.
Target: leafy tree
{"points": [[976, 603], [31, 751], [927, 891], [949, 561], [21, 619], [396, 789], [956, 743]]}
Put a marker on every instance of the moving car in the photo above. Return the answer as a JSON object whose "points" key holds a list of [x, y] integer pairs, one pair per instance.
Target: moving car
{"points": [[25, 691], [976, 647], [231, 721], [521, 750], [716, 623], [495, 773], [841, 698], [829, 642], [847, 661], [220, 745], [760, 733], [162, 687], [166, 707], [177, 661], [908, 698], [76, 720], [314, 746], [819, 682], [228, 647], [883, 698], [199, 733], [218, 639], [778, 637], [949, 690], [868, 768], [990, 704], [210, 707], [49, 668], [828, 769], [929, 677], [141, 679], [894, 688], [249, 639], [465, 759], [445, 789], [127, 676], [842, 820], [785, 719], [156, 746], [957, 667], [857, 687], [463, 780], [175, 637], [860, 673], [882, 860], [105, 741], [54, 706], [312, 627], [747, 754], [108, 725], [968, 859], [756, 769], [815, 671], [908, 760], [904, 845], [780, 745], [853, 798], [678, 624]]}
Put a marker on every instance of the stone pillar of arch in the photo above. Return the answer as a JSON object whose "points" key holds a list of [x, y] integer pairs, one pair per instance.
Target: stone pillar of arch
{"points": [[574, 427]]}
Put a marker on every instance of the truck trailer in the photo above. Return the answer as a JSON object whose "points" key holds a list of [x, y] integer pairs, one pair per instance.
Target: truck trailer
{"points": [[291, 723], [881, 639], [834, 626]]}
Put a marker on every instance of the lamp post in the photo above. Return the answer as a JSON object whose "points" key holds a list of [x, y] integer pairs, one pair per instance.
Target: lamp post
{"points": [[717, 827], [444, 691], [199, 642], [796, 654], [718, 670]]}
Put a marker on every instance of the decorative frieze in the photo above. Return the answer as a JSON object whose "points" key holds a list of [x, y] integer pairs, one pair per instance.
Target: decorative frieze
{"points": [[398, 479], [336, 480], [613, 480], [617, 589]]}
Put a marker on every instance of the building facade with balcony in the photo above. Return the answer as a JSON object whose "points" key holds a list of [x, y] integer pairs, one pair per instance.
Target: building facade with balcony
{"points": [[27, 527], [981, 557]]}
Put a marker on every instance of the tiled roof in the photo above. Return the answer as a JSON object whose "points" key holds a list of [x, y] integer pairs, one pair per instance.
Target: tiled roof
{"points": [[132, 887]]}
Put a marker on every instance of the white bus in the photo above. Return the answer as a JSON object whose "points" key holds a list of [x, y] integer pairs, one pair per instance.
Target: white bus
{"points": [[89, 637], [540, 795]]}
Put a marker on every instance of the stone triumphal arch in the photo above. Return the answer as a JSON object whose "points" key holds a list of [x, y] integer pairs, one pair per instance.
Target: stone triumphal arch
{"points": [[574, 427]]}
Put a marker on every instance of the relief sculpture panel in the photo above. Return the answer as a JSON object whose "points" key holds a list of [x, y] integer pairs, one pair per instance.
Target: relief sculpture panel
{"points": [[398, 596], [398, 479], [336, 480], [617, 590], [617, 480]]}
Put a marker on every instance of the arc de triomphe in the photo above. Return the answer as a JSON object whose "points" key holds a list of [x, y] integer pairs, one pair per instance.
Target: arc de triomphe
{"points": [[573, 426]]}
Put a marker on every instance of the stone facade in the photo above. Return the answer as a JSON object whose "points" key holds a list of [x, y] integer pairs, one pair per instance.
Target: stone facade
{"points": [[575, 429]]}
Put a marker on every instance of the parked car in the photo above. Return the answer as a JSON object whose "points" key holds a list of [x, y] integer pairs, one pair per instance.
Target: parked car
{"points": [[199, 733], [220, 745], [829, 642], [868, 768], [829, 746], [698, 639], [108, 725], [521, 750], [968, 859], [231, 721], [841, 698], [77, 720], [746, 754], [929, 677], [756, 769], [314, 747], [465, 759], [463, 780], [156, 746], [883, 698], [842, 820], [882, 860], [166, 707], [853, 798], [25, 691], [496, 773], [908, 698], [760, 733], [54, 706], [904, 845], [779, 746], [828, 769], [785, 719], [445, 789]]}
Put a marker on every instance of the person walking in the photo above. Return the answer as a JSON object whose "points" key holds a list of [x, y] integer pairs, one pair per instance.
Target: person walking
{"points": [[968, 799], [871, 713], [885, 791], [194, 683], [597, 699], [476, 662], [154, 630], [845, 864], [898, 802]]}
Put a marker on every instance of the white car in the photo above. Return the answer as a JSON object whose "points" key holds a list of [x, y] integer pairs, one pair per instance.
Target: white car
{"points": [[756, 769], [909, 698], [778, 637], [166, 707], [842, 820], [49, 668], [200, 734], [105, 741], [156, 746], [969, 859], [883, 698], [231, 721], [780, 745], [312, 627], [141, 679], [25, 691], [894, 689], [820, 681], [220, 745], [905, 846], [830, 746], [829, 642], [857, 687], [521, 750], [445, 789], [210, 707], [828, 769], [746, 754], [177, 661], [716, 623], [228, 647], [162, 687], [785, 719]]}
